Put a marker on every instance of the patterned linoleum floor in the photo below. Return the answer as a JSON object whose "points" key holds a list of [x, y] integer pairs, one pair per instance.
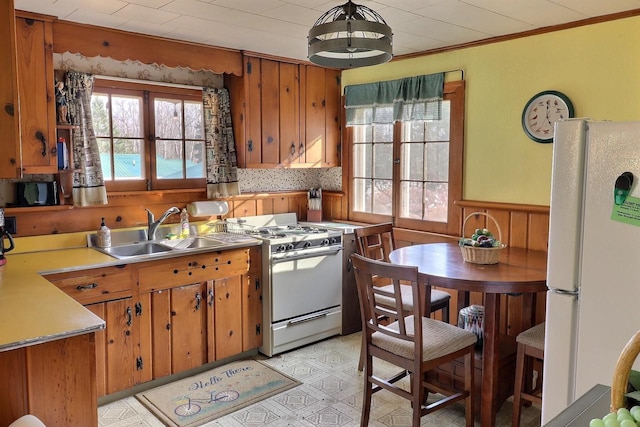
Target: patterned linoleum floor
{"points": [[330, 396]]}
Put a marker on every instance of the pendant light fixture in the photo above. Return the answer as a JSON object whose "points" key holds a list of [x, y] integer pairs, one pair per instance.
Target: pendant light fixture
{"points": [[350, 36]]}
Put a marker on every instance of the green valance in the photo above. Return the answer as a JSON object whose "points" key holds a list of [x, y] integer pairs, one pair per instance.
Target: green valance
{"points": [[411, 98]]}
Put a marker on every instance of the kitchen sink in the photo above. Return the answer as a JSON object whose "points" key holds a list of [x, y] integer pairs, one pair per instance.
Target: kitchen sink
{"points": [[135, 249], [192, 243]]}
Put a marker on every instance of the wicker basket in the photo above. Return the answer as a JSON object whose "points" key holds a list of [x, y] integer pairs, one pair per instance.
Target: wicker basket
{"points": [[476, 255], [621, 373]]}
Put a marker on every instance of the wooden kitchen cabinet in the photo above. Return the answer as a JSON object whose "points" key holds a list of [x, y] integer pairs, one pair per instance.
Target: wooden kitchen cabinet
{"points": [[252, 302], [9, 123], [109, 293], [286, 114], [225, 317], [178, 329]]}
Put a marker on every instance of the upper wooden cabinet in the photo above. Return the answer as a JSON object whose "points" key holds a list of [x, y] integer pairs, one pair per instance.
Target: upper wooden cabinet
{"points": [[285, 114], [28, 111]]}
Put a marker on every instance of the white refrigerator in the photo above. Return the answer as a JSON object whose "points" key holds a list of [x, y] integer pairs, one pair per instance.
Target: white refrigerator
{"points": [[593, 272]]}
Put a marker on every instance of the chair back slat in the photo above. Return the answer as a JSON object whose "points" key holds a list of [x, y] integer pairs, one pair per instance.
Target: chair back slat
{"points": [[375, 241]]}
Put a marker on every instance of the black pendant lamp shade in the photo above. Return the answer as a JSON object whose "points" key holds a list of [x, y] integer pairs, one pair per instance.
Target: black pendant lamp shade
{"points": [[350, 36]]}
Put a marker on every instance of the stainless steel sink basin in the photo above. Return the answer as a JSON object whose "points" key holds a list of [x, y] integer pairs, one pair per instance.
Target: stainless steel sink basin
{"points": [[135, 249], [192, 243]]}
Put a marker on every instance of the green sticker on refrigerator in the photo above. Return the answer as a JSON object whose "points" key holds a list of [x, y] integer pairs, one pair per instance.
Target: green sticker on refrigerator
{"points": [[628, 212]]}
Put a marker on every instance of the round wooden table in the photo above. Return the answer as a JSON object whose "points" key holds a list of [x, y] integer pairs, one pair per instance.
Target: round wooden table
{"points": [[519, 271]]}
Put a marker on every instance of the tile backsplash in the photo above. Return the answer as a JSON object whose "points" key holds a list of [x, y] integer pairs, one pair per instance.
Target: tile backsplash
{"points": [[267, 180]]}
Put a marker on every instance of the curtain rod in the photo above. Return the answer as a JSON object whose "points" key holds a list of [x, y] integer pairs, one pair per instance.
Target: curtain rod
{"points": [[148, 82]]}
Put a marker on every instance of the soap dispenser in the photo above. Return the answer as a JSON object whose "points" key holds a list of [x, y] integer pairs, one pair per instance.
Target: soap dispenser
{"points": [[184, 224], [104, 235]]}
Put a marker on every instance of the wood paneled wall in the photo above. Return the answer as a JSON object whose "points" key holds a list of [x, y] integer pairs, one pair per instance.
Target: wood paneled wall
{"points": [[128, 210]]}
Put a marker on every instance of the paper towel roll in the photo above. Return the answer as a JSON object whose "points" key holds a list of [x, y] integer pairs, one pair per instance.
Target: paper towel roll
{"points": [[208, 208]]}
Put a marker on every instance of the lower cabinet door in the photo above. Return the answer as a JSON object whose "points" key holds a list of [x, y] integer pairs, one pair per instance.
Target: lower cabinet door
{"points": [[228, 316], [115, 360], [178, 329]]}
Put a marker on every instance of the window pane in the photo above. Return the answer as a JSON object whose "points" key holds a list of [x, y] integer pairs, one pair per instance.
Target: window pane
{"points": [[195, 159], [362, 134], [412, 163], [413, 131], [383, 161], [193, 120], [411, 200], [104, 147], [127, 154], [169, 160], [383, 133], [127, 117], [382, 202], [436, 198], [168, 115], [437, 164], [439, 130], [362, 195], [100, 114], [362, 160]]}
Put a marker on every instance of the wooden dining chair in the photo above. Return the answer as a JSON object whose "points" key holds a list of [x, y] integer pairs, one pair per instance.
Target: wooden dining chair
{"points": [[376, 242], [413, 342], [530, 347]]}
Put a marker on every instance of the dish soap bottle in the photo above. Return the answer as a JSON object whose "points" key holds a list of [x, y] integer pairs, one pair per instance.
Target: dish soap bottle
{"points": [[184, 224], [104, 236]]}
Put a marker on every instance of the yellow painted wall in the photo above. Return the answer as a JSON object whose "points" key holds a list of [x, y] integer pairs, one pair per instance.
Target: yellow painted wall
{"points": [[596, 66]]}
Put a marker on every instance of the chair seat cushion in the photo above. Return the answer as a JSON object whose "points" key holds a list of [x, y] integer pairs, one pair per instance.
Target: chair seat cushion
{"points": [[407, 296], [438, 339], [533, 337]]}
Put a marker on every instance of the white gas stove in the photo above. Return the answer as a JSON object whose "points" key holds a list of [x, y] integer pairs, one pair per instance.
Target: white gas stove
{"points": [[302, 277]]}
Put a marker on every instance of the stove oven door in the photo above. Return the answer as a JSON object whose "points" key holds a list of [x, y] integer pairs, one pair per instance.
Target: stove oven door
{"points": [[305, 282]]}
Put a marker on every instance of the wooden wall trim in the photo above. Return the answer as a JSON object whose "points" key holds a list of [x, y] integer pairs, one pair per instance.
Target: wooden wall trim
{"points": [[502, 206], [91, 41]]}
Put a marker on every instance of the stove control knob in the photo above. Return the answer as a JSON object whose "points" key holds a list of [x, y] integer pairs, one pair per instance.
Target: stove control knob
{"points": [[281, 248], [290, 247], [325, 242], [334, 240], [307, 245]]}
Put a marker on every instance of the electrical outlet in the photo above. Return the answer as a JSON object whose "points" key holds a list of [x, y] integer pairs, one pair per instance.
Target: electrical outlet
{"points": [[10, 224]]}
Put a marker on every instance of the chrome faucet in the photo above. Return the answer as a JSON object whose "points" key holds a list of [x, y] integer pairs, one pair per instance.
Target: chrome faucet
{"points": [[153, 225]]}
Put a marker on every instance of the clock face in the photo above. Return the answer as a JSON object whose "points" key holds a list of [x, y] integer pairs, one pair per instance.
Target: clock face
{"points": [[541, 113]]}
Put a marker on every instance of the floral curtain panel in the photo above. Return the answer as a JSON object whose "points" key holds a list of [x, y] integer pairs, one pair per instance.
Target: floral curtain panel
{"points": [[411, 98], [88, 182], [222, 163]]}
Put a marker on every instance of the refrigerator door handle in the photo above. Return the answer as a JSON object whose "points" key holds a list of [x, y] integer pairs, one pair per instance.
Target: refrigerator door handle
{"points": [[575, 293]]}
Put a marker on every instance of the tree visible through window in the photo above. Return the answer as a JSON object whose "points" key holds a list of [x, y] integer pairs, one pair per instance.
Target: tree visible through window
{"points": [[410, 172], [149, 137]]}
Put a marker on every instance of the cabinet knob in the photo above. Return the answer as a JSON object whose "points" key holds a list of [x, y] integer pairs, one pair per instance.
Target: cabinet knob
{"points": [[8, 108], [269, 139]]}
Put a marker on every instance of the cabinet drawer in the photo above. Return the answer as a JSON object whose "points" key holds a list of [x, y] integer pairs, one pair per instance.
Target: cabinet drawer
{"points": [[97, 285], [164, 274]]}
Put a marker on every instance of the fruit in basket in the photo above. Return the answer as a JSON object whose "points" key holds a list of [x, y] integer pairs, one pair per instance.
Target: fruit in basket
{"points": [[481, 238], [622, 418]]}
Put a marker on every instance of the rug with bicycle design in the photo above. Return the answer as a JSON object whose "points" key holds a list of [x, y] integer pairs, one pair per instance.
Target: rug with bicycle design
{"points": [[209, 395]]}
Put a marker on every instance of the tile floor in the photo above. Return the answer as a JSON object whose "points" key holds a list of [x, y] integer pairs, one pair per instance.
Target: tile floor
{"points": [[330, 396]]}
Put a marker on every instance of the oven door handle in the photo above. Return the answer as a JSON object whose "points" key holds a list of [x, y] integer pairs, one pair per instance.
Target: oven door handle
{"points": [[308, 318], [276, 258]]}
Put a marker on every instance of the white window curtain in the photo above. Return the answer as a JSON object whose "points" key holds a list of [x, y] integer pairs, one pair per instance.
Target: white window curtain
{"points": [[88, 182], [411, 98], [222, 163]]}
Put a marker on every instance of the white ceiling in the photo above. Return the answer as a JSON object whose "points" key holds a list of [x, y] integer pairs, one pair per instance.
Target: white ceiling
{"points": [[280, 27]]}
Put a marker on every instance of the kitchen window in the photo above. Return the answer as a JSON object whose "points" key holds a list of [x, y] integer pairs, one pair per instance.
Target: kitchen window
{"points": [[150, 137], [410, 172]]}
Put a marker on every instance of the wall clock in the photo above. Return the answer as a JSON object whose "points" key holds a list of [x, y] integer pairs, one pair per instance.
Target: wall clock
{"points": [[542, 111]]}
